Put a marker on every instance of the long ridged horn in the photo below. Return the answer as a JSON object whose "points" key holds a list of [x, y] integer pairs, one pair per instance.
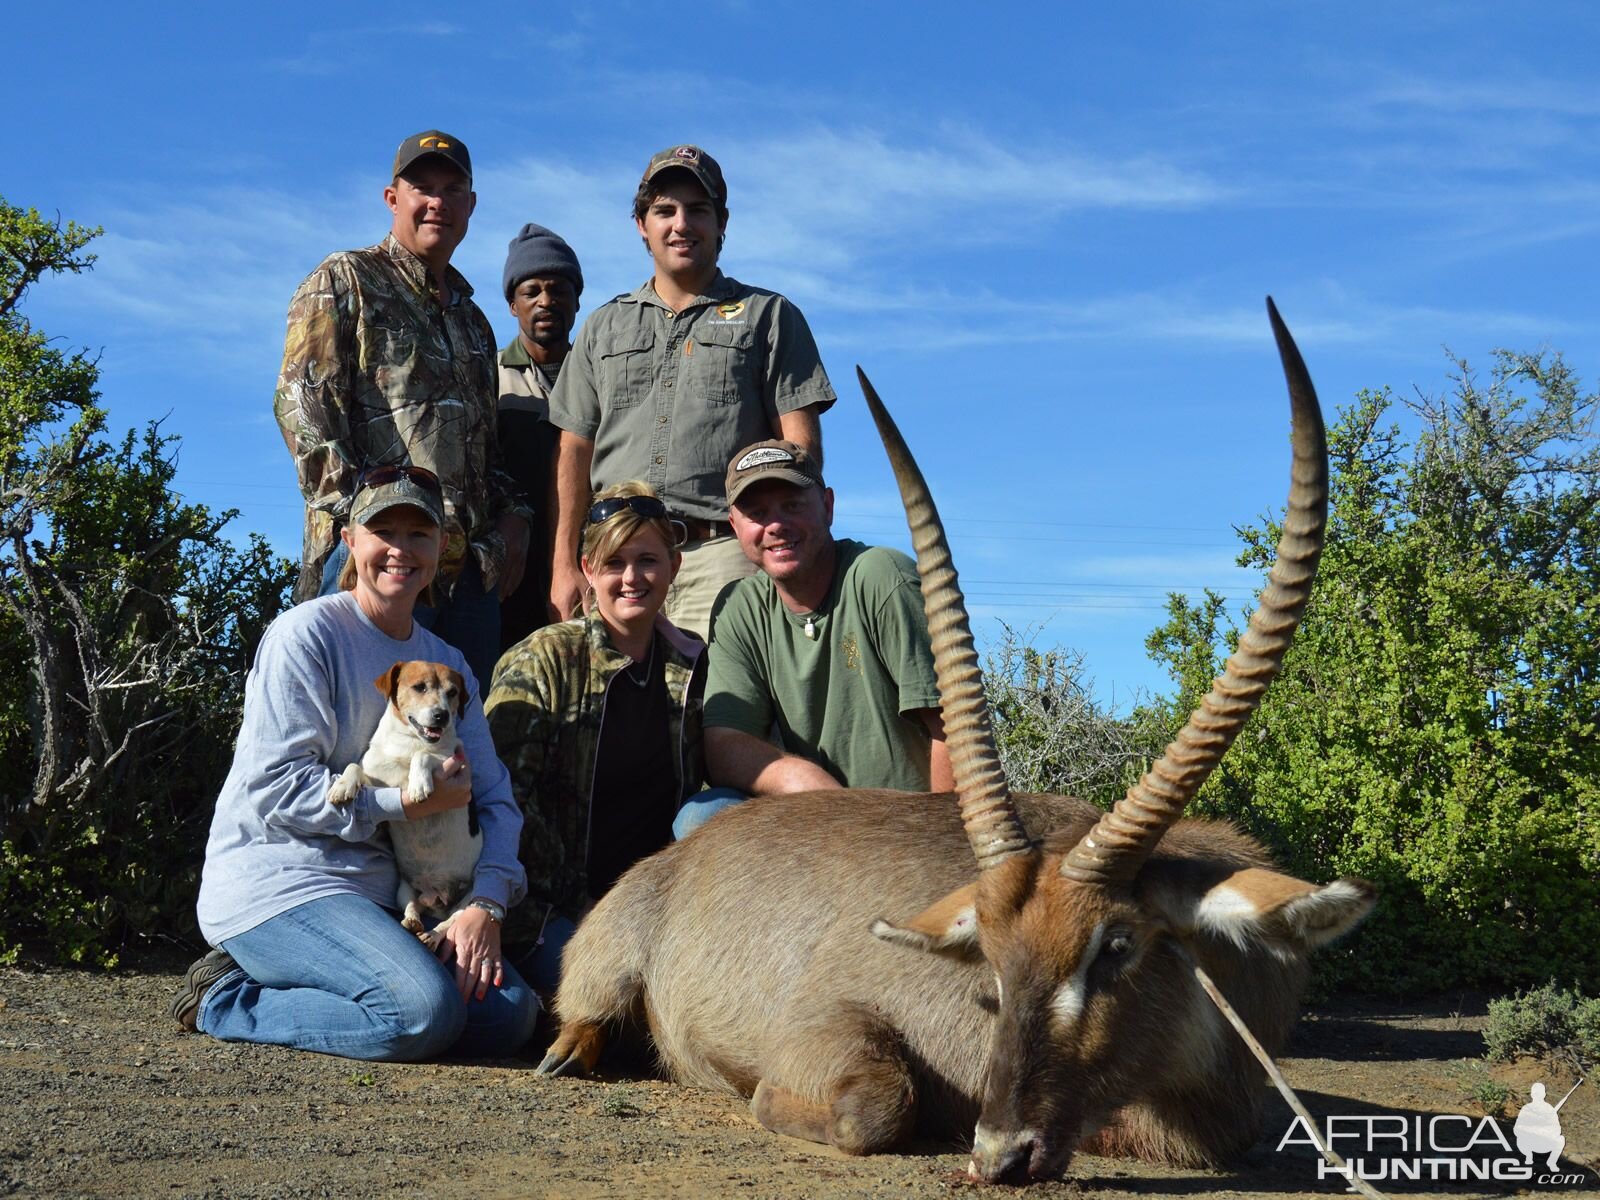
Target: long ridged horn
{"points": [[1115, 849], [994, 830]]}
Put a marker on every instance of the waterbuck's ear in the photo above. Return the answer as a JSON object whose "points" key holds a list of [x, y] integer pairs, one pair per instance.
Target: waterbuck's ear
{"points": [[1255, 905], [949, 926], [1329, 912]]}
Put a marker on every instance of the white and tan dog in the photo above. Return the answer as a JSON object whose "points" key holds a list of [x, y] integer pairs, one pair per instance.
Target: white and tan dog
{"points": [[437, 855]]}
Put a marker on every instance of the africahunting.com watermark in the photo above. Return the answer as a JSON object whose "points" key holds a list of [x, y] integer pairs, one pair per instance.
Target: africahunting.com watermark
{"points": [[1445, 1147]]}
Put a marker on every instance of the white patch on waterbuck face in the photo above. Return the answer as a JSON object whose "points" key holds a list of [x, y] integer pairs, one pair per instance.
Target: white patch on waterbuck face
{"points": [[1067, 1003]]}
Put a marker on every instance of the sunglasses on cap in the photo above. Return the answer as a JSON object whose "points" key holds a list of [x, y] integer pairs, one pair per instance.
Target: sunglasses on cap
{"points": [[647, 507], [394, 472]]}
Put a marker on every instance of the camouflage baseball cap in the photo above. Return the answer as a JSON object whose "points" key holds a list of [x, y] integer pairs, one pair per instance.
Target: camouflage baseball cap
{"points": [[432, 141], [694, 160], [382, 488], [772, 459]]}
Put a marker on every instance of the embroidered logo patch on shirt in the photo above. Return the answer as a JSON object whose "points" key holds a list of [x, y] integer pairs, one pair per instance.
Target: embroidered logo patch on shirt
{"points": [[729, 311], [852, 653]]}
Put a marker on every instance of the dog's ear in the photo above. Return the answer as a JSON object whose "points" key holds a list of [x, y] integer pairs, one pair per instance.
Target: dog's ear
{"points": [[461, 692], [389, 680]]}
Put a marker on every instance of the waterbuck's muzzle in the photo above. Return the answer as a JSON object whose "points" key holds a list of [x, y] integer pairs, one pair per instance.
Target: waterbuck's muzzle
{"points": [[1014, 1157]]}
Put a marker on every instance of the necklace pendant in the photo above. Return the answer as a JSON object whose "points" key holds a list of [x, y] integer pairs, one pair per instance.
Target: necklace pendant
{"points": [[810, 629]]}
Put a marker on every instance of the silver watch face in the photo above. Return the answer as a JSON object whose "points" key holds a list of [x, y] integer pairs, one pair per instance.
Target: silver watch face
{"points": [[489, 906]]}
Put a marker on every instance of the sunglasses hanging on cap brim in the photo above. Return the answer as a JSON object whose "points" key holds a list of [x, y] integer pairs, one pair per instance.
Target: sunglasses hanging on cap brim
{"points": [[394, 472]]}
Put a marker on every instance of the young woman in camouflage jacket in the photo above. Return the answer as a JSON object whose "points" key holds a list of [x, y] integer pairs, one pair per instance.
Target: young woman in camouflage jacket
{"points": [[598, 720]]}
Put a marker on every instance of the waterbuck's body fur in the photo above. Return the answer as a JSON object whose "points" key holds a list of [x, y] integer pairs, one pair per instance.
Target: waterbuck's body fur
{"points": [[839, 958]]}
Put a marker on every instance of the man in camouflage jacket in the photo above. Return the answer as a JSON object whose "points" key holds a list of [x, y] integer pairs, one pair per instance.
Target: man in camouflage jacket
{"points": [[545, 711], [387, 360]]}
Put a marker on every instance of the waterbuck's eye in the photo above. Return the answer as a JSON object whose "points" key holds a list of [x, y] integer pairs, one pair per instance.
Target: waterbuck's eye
{"points": [[1118, 945]]}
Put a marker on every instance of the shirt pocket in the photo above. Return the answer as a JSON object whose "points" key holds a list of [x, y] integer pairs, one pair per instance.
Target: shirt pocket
{"points": [[625, 371], [725, 367], [392, 356]]}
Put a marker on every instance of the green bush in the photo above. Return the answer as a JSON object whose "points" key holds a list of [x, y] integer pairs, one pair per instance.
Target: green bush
{"points": [[1544, 1022], [1479, 1086], [138, 618]]}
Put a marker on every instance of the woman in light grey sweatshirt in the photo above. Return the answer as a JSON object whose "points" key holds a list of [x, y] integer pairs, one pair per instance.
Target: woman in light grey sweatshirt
{"points": [[297, 894]]}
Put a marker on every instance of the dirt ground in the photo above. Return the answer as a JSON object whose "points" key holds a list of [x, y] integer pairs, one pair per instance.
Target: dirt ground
{"points": [[101, 1096]]}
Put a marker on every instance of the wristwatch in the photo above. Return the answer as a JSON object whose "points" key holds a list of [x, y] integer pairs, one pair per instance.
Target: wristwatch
{"points": [[497, 912]]}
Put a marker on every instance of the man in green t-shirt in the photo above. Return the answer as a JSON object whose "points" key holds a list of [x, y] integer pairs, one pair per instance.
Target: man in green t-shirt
{"points": [[827, 643]]}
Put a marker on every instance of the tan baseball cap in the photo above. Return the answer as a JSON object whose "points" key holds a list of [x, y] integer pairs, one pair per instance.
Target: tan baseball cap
{"points": [[694, 160], [772, 459]]}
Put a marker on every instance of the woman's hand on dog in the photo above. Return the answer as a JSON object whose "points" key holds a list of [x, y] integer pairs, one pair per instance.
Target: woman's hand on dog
{"points": [[452, 788], [473, 940]]}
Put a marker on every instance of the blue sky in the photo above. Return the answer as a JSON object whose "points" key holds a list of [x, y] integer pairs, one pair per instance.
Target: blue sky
{"points": [[1046, 231]]}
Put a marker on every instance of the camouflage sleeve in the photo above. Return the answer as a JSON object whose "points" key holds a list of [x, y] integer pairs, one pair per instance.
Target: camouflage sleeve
{"points": [[312, 403], [525, 700]]}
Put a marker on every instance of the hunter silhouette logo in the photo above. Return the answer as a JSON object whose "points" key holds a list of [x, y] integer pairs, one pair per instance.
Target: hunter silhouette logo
{"points": [[1401, 1148], [1538, 1128]]}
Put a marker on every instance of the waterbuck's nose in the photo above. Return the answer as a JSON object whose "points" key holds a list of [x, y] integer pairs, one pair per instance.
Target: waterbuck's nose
{"points": [[1003, 1157]]}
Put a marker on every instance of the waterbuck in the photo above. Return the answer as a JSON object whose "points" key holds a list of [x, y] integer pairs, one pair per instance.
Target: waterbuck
{"points": [[1046, 993]]}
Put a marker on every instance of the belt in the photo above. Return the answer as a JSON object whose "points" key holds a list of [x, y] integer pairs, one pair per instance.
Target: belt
{"points": [[699, 529]]}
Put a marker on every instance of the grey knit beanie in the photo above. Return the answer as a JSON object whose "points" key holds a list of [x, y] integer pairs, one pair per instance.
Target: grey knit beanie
{"points": [[537, 253]]}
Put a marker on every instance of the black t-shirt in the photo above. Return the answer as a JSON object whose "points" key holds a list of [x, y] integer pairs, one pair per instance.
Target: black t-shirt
{"points": [[635, 788]]}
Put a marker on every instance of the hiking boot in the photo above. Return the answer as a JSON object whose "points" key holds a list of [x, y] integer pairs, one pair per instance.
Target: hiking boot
{"points": [[202, 973]]}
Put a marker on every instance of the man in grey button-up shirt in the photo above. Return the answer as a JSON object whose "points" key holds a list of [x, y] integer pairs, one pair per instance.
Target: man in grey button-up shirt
{"points": [[667, 383]]}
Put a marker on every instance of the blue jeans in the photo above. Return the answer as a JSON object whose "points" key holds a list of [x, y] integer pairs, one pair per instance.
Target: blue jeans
{"points": [[543, 962], [341, 976], [469, 619], [701, 807]]}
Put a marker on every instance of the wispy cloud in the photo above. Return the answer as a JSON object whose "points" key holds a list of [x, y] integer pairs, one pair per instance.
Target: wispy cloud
{"points": [[1180, 571], [792, 213], [1457, 97], [333, 51], [212, 275]]}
